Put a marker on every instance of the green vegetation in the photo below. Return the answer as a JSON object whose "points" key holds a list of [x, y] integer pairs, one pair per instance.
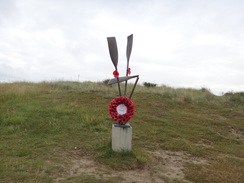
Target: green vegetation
{"points": [[46, 127]]}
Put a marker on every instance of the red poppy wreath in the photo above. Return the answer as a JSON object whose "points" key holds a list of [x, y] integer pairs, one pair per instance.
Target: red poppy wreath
{"points": [[121, 109]]}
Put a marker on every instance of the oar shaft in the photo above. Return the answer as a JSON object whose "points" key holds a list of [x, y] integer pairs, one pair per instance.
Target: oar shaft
{"points": [[134, 87], [118, 83], [126, 75], [119, 87]]}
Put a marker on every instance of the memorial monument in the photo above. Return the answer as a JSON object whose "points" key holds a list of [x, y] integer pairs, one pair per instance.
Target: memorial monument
{"points": [[121, 108]]}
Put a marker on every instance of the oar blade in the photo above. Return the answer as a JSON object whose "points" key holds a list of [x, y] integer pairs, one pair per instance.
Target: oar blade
{"points": [[129, 46], [113, 51]]}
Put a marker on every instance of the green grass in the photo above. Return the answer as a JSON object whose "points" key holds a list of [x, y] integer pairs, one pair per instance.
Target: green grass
{"points": [[41, 125]]}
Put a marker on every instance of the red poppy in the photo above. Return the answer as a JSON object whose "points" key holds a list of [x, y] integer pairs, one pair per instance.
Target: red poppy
{"points": [[121, 109], [116, 74], [129, 71]]}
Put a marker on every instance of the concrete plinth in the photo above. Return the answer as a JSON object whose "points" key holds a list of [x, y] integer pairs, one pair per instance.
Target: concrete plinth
{"points": [[121, 137]]}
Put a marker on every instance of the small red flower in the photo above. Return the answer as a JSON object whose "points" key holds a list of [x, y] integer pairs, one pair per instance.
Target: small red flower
{"points": [[116, 74], [129, 71]]}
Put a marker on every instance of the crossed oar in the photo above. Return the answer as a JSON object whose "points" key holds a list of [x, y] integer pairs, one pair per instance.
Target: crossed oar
{"points": [[113, 51]]}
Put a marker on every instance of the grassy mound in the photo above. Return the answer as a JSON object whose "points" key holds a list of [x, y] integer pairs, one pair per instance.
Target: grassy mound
{"points": [[44, 127]]}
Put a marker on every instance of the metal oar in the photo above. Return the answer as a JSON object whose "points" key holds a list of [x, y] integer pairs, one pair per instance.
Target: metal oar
{"points": [[121, 79], [128, 53], [113, 51], [134, 87]]}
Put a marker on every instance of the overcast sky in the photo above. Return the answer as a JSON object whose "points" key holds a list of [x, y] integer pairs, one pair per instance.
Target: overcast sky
{"points": [[179, 43]]}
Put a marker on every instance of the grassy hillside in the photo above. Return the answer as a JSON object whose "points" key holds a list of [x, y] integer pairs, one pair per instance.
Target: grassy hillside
{"points": [[61, 132]]}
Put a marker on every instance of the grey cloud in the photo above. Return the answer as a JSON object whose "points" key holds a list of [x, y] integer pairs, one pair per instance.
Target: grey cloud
{"points": [[179, 43]]}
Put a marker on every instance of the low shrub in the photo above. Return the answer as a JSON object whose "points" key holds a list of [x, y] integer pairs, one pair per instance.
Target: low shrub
{"points": [[148, 84]]}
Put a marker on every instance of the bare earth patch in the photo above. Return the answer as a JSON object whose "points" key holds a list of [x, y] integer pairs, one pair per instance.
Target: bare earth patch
{"points": [[166, 166], [236, 133]]}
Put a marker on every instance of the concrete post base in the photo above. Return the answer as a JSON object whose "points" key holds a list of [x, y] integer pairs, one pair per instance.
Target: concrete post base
{"points": [[121, 137]]}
